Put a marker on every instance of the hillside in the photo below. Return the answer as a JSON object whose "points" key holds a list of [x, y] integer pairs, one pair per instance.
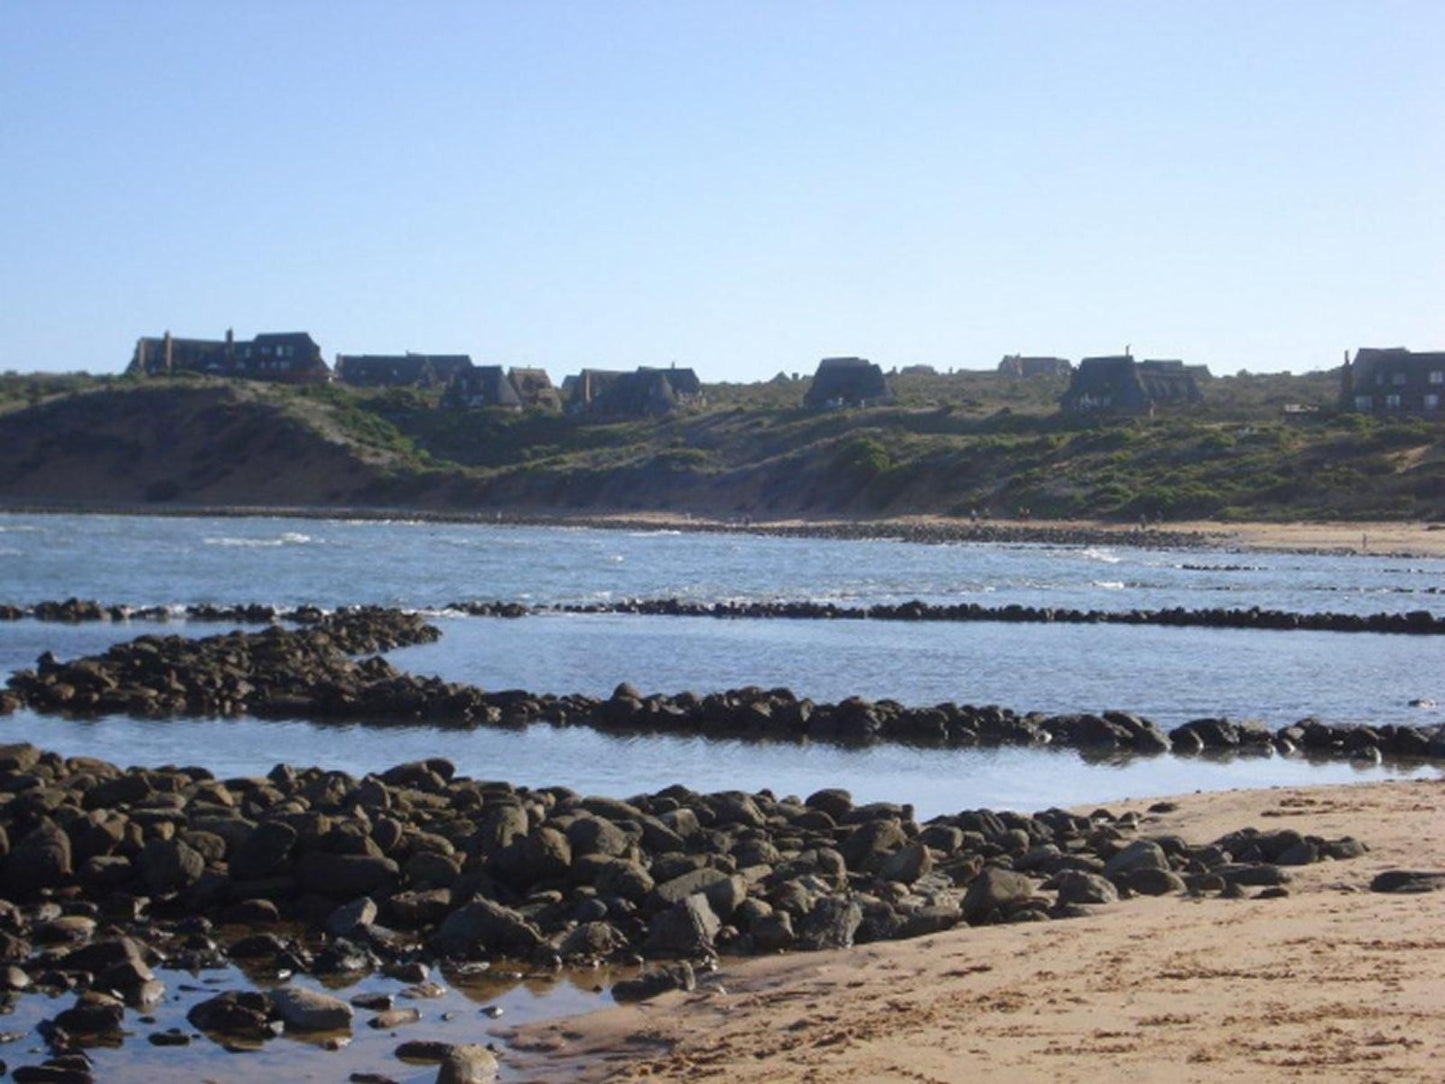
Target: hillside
{"points": [[952, 444]]}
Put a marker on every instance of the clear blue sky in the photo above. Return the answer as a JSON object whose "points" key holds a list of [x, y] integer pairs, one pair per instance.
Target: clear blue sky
{"points": [[741, 187]]}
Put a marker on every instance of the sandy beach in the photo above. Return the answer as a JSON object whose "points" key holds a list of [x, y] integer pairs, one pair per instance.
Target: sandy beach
{"points": [[1332, 981]]}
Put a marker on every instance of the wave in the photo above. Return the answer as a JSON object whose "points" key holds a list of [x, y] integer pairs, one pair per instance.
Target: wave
{"points": [[1094, 553], [287, 538], [1108, 585], [653, 534]]}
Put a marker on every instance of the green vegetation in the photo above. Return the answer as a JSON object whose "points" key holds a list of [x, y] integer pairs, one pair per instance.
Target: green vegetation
{"points": [[952, 443]]}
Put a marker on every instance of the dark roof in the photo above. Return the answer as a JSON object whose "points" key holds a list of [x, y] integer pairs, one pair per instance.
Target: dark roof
{"points": [[1119, 383], [384, 370], [684, 382], [286, 338], [447, 366], [482, 385], [849, 381], [534, 388], [1026, 366], [647, 391]]}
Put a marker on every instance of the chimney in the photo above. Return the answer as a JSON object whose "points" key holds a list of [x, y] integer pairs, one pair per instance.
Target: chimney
{"points": [[168, 352]]}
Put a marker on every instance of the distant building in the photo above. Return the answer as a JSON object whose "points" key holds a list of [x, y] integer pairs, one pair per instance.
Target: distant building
{"points": [[1017, 365], [647, 391], [290, 357], [481, 386], [847, 382], [1121, 385], [409, 370], [1394, 380], [534, 388]]}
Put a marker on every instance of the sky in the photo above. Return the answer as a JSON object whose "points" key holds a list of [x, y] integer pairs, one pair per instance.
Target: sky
{"points": [[742, 187]]}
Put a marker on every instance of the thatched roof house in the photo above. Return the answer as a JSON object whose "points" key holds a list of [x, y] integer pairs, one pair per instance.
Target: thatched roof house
{"points": [[287, 357], [1394, 380], [1017, 365], [632, 395], [409, 370], [385, 370], [481, 386], [852, 382], [1119, 384], [534, 388]]}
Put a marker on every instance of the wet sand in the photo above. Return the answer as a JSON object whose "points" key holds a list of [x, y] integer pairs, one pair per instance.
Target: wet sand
{"points": [[1331, 982]]}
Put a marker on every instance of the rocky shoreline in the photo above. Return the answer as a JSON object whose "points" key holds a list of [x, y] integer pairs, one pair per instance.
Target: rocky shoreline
{"points": [[312, 672], [112, 878], [1411, 623]]}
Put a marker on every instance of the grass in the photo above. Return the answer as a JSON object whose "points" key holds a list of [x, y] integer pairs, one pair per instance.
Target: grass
{"points": [[951, 443]]}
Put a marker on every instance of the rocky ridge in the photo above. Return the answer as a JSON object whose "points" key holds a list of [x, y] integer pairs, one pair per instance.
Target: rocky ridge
{"points": [[310, 672]]}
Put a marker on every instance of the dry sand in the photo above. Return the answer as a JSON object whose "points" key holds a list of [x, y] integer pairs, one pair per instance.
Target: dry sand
{"points": [[1332, 982]]}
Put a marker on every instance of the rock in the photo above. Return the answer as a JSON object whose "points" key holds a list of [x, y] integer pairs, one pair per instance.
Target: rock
{"points": [[342, 921], [773, 932], [394, 1018], [346, 876], [251, 913], [660, 980], [993, 890], [1140, 854], [592, 940], [267, 850], [1078, 887], [93, 1013], [467, 1064], [1409, 880], [1148, 881], [1263, 873], [303, 1009], [831, 924], [246, 1014], [168, 865], [688, 928], [40, 860], [484, 928], [907, 864], [54, 1071], [869, 843]]}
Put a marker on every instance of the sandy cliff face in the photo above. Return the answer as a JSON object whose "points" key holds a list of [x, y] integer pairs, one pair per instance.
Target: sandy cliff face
{"points": [[208, 445]]}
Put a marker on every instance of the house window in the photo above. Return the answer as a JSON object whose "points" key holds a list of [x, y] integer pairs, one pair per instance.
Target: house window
{"points": [[1432, 400], [1437, 376], [1364, 402], [1398, 379], [1392, 402], [1379, 380]]}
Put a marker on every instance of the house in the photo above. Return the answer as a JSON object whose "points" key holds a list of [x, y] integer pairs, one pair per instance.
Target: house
{"points": [[481, 386], [580, 390], [534, 388], [290, 357], [847, 382], [1394, 380], [1121, 385], [1026, 368], [646, 391], [409, 370]]}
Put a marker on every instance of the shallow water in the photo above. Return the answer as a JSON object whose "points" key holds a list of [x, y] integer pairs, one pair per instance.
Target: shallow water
{"points": [[1169, 674]]}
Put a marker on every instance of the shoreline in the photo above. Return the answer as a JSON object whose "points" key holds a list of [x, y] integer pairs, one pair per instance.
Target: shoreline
{"points": [[1331, 978], [1401, 539]]}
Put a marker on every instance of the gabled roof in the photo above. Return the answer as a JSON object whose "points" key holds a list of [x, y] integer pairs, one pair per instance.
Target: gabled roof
{"points": [[847, 380], [483, 385]]}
